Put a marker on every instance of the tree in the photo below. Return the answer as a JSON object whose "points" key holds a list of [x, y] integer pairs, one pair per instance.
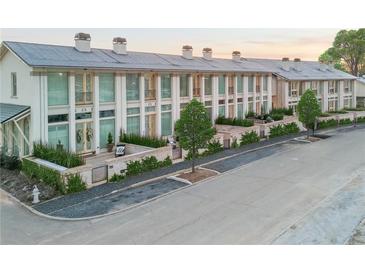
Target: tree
{"points": [[309, 109], [348, 50], [194, 129]]}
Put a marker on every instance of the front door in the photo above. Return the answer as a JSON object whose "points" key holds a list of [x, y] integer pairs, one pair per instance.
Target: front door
{"points": [[150, 125], [84, 137]]}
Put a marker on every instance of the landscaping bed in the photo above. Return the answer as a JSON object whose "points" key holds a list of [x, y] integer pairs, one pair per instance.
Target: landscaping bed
{"points": [[199, 175], [21, 187]]}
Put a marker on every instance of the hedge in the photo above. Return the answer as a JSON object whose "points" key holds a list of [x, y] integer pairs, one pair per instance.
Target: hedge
{"points": [[142, 140], [361, 120], [146, 164], [281, 130], [234, 122], [327, 124], [46, 175], [249, 138], [283, 111], [346, 121], [58, 156]]}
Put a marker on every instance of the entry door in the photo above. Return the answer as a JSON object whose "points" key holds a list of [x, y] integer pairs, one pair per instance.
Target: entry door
{"points": [[84, 137], [150, 124]]}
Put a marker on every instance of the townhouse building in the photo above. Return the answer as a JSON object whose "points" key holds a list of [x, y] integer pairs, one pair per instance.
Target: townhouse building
{"points": [[360, 91]]}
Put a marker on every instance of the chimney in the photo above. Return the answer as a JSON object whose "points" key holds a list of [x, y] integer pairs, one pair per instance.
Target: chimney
{"points": [[297, 66], [285, 66], [236, 56], [285, 59], [120, 45], [297, 60], [82, 42], [187, 52], [207, 53]]}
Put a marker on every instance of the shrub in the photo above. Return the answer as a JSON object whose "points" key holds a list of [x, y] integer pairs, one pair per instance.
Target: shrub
{"points": [[360, 120], [234, 122], [277, 116], [346, 121], [234, 144], [250, 114], [281, 130], [10, 162], [142, 140], [110, 138], [75, 183], [116, 178], [340, 111], [146, 164], [213, 147], [355, 109], [249, 138], [324, 114], [56, 155], [327, 124], [283, 111], [46, 175]]}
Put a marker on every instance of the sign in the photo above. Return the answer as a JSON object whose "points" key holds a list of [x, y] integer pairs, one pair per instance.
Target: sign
{"points": [[120, 150]]}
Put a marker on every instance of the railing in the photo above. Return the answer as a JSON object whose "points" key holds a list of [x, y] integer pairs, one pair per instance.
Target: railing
{"points": [[83, 98], [150, 94]]}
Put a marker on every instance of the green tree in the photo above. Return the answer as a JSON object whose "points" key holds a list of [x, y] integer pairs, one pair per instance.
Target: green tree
{"points": [[309, 109], [194, 129], [347, 51]]}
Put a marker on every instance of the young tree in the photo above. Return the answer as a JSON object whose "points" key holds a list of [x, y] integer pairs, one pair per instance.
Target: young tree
{"points": [[194, 129], [309, 109]]}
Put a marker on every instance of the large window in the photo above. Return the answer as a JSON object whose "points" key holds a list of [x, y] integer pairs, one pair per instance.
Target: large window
{"points": [[57, 89], [250, 84], [166, 123], [165, 86], [14, 87], [132, 87], [58, 134], [221, 85], [106, 87], [207, 85], [240, 111], [239, 84], [83, 88], [184, 85], [133, 120], [106, 126], [265, 84]]}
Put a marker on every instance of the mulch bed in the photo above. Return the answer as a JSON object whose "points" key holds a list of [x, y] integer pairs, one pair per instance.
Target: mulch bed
{"points": [[20, 186], [198, 175]]}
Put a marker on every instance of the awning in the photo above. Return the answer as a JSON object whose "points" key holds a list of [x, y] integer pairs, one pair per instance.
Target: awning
{"points": [[10, 112]]}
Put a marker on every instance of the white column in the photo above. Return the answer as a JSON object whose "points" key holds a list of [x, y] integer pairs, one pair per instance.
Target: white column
{"points": [[226, 96], [245, 95], [158, 105], [340, 95], [44, 107], [118, 106], [254, 94], [215, 97], [286, 94], [261, 92], [354, 87], [174, 91], [72, 111], [142, 105], [177, 95], [124, 102], [269, 93], [235, 96], [191, 87], [96, 115], [202, 89], [325, 97]]}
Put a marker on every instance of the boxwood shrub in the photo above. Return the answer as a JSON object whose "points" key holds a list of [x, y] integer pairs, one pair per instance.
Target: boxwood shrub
{"points": [[46, 175], [249, 138], [58, 156], [281, 130], [234, 122], [146, 141]]}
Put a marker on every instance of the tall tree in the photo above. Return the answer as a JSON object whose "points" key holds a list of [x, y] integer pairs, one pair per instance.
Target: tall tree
{"points": [[347, 49], [194, 129], [309, 109]]}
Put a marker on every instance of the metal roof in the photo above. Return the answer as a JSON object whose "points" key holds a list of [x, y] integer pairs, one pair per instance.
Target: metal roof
{"points": [[55, 56], [302, 70], [9, 111]]}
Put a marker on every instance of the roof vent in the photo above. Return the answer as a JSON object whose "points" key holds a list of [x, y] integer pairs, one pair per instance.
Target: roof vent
{"points": [[236, 56], [187, 52], [297, 60], [207, 53], [120, 45], [82, 42], [285, 59]]}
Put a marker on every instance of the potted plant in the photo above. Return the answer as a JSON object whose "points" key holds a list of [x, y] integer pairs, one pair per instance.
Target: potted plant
{"points": [[59, 145], [110, 142]]}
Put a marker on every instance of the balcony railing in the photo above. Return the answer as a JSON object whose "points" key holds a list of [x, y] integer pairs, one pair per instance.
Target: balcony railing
{"points": [[150, 94], [83, 98]]}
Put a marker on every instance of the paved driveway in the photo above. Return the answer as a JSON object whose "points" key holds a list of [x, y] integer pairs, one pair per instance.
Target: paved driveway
{"points": [[253, 204]]}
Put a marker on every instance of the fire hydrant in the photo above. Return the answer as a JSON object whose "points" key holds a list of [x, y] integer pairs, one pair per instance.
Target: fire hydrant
{"points": [[35, 194]]}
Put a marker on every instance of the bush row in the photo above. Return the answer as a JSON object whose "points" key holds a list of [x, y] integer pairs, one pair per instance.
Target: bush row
{"points": [[234, 122], [58, 156], [142, 140], [281, 130], [283, 111], [361, 120], [146, 164], [327, 124]]}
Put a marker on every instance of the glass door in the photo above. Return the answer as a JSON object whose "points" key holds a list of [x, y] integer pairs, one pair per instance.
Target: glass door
{"points": [[84, 137]]}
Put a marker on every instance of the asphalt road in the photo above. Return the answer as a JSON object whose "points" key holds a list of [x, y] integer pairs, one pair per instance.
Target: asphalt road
{"points": [[253, 204]]}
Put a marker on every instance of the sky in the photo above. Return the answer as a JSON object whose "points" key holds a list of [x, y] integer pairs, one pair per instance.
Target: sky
{"points": [[306, 44]]}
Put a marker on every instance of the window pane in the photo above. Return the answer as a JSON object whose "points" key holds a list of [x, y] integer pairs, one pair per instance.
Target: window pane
{"points": [[57, 89], [166, 123], [165, 107], [222, 84], [239, 84], [57, 118], [58, 133], [209, 112], [165, 86], [131, 111], [208, 85], [221, 110], [133, 125], [265, 83], [250, 84], [132, 87], [106, 113], [184, 86], [79, 79], [106, 126], [106, 87], [240, 111]]}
